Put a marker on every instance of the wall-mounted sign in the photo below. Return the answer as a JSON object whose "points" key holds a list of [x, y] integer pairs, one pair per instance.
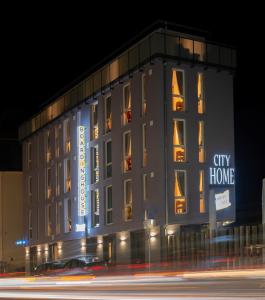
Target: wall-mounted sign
{"points": [[82, 175], [222, 173], [80, 227], [222, 200]]}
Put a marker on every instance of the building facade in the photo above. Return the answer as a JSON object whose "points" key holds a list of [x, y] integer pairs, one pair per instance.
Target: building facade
{"points": [[134, 153]]}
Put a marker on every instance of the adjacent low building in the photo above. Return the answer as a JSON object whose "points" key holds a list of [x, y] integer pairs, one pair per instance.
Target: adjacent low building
{"points": [[136, 151]]}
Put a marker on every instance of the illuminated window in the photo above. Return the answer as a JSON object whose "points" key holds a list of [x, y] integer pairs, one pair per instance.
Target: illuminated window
{"points": [[144, 101], [48, 147], [94, 121], [127, 102], [30, 224], [57, 141], [179, 140], [68, 215], [108, 159], [95, 207], [29, 154], [201, 189], [200, 93], [49, 183], [49, 219], [58, 217], [201, 142], [180, 192], [127, 151], [144, 187], [67, 136], [108, 115], [144, 150], [128, 199], [108, 199], [94, 164], [178, 100], [67, 175], [57, 181]]}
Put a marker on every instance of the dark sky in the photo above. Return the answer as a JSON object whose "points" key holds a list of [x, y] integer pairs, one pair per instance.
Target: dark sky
{"points": [[45, 48]]}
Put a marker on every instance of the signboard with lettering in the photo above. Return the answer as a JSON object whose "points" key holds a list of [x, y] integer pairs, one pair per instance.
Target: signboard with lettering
{"points": [[222, 200], [82, 175], [222, 173]]}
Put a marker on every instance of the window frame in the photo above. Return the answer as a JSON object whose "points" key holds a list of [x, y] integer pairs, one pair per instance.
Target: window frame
{"points": [[106, 98], [108, 164], [125, 200], [107, 209], [184, 90], [124, 109], [184, 146], [185, 192], [125, 157]]}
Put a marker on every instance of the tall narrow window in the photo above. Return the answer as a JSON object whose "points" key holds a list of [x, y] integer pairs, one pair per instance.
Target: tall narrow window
{"points": [[57, 141], [30, 225], [48, 147], [108, 159], [67, 136], [127, 151], [49, 220], [180, 192], [179, 140], [49, 183], [108, 115], [29, 154], [94, 164], [30, 188], [201, 142], [37, 223], [144, 98], [144, 187], [108, 199], [128, 199], [67, 175], [57, 174], [201, 189], [178, 100], [68, 215], [144, 149], [95, 207], [127, 102], [58, 217], [94, 121], [200, 93]]}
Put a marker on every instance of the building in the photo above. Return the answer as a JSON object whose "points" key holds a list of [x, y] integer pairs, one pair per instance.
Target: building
{"points": [[136, 151], [11, 221]]}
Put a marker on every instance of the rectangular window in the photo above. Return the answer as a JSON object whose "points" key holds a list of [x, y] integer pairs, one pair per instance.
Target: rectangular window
{"points": [[37, 223], [67, 136], [108, 201], [38, 187], [67, 175], [68, 215], [49, 183], [48, 147], [49, 220], [127, 102], [144, 101], [94, 121], [179, 140], [201, 142], [57, 141], [180, 192], [201, 189], [108, 159], [95, 207], [30, 225], [108, 115], [57, 173], [128, 199], [58, 217], [127, 151], [144, 187], [200, 93], [144, 149], [94, 164], [29, 154], [30, 188], [178, 100]]}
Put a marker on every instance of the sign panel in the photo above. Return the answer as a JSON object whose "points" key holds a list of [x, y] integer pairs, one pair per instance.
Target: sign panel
{"points": [[222, 200], [222, 173], [82, 175]]}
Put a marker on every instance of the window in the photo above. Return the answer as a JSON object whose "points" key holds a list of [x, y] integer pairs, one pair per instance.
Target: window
{"points": [[49, 183], [180, 192], [144, 187], [201, 189], [108, 159], [57, 141], [49, 220], [200, 93], [144, 149], [68, 215], [57, 173], [30, 225], [127, 151], [30, 188], [108, 201], [67, 175], [201, 142], [38, 187], [95, 207], [67, 136], [94, 164], [179, 140], [144, 101], [127, 102], [37, 223], [94, 121], [128, 199], [48, 147], [108, 116], [178, 100], [29, 154], [58, 217]]}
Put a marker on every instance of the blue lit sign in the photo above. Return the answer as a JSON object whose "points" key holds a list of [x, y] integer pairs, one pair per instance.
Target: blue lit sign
{"points": [[21, 242]]}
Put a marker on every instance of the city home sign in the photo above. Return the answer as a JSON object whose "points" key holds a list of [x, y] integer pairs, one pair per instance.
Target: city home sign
{"points": [[222, 173]]}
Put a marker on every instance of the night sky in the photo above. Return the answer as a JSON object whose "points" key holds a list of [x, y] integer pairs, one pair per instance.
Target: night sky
{"points": [[45, 48]]}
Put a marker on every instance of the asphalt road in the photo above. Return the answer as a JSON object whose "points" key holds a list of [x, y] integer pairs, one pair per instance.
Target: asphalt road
{"points": [[203, 285]]}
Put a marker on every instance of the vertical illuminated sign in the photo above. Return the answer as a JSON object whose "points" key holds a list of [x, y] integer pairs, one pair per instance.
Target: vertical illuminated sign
{"points": [[82, 194]]}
